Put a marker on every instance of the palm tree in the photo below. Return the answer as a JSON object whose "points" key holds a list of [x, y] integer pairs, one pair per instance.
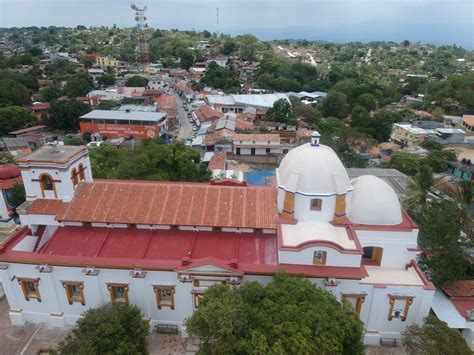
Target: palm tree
{"points": [[416, 199]]}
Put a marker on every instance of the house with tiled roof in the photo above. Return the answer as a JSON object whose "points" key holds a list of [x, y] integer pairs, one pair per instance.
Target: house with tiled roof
{"points": [[468, 122], [159, 245], [454, 305]]}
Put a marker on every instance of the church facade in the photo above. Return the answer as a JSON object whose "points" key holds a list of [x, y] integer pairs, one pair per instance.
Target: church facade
{"points": [[160, 245]]}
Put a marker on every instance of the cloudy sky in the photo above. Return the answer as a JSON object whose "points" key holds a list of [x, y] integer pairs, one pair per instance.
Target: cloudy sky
{"points": [[435, 21]]}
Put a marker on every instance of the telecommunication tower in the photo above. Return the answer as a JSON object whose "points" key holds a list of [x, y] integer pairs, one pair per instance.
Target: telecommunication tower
{"points": [[142, 46]]}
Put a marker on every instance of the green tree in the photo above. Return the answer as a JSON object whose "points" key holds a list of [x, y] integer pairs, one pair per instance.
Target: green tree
{"points": [[109, 329], [444, 249], [65, 114], [187, 59], [6, 158], [335, 105], [107, 79], [17, 195], [290, 315], [78, 85], [407, 163], [106, 105], [150, 160], [75, 141], [229, 47], [49, 93], [438, 159], [416, 198], [367, 101], [13, 118], [13, 93], [136, 81], [280, 112], [434, 337], [311, 115], [431, 145]]}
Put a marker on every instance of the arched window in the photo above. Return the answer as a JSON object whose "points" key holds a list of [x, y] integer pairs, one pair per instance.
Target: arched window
{"points": [[74, 177], [372, 255], [82, 175], [47, 184]]}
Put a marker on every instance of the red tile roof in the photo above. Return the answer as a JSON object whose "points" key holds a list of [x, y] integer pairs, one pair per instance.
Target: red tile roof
{"points": [[461, 288], [165, 100], [469, 120], [10, 175], [217, 161], [46, 206], [464, 305], [207, 113], [257, 137], [172, 203]]}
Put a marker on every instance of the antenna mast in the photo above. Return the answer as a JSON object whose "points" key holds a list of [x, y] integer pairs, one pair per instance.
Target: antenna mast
{"points": [[217, 20], [141, 49]]}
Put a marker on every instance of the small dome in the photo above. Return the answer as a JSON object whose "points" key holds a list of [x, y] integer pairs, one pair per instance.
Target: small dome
{"points": [[313, 169], [9, 171], [374, 202]]}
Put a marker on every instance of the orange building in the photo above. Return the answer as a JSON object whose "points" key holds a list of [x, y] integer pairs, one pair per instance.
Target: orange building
{"points": [[136, 124]]}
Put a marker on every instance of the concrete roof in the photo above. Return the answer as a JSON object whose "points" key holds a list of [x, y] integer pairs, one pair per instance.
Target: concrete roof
{"points": [[255, 100], [447, 312], [57, 154], [296, 234], [124, 115]]}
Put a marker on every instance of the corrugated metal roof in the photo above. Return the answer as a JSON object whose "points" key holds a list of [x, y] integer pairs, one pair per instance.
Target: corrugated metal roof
{"points": [[396, 179], [447, 312], [255, 100], [124, 115]]}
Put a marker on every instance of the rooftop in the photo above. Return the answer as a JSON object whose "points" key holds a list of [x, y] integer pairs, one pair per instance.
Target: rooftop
{"points": [[257, 137], [382, 275], [125, 115], [55, 154], [397, 180], [295, 235], [172, 203], [255, 100], [461, 288]]}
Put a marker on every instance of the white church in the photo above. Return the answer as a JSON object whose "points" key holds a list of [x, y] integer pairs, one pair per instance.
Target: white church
{"points": [[160, 245]]}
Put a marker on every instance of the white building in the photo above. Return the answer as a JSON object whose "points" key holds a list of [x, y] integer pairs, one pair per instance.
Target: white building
{"points": [[159, 245], [238, 103], [256, 144]]}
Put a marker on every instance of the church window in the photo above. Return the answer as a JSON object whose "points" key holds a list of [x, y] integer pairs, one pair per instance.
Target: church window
{"points": [[316, 204], [399, 306], [164, 296], [118, 293], [47, 183], [319, 257], [355, 300], [74, 292], [198, 298], [30, 288]]}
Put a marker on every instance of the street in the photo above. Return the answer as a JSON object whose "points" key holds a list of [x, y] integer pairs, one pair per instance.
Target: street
{"points": [[186, 128]]}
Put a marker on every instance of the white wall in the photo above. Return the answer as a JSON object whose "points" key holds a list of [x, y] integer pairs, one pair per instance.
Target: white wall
{"points": [[305, 257]]}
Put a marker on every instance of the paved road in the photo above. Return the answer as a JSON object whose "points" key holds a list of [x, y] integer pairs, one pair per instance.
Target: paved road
{"points": [[186, 129]]}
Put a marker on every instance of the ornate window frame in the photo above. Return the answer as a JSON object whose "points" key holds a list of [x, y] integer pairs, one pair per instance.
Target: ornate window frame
{"points": [[317, 260], [360, 299], [160, 302], [25, 282], [408, 301], [43, 184], [112, 287], [71, 297]]}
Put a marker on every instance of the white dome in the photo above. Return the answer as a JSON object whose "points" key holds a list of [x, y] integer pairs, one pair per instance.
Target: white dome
{"points": [[374, 202], [314, 170]]}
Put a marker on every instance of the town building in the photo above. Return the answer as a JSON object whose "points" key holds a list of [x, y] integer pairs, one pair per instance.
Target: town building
{"points": [[248, 72], [40, 109], [128, 123], [95, 73], [238, 103], [468, 122], [454, 305], [106, 61], [462, 169], [159, 245], [408, 135], [256, 144]]}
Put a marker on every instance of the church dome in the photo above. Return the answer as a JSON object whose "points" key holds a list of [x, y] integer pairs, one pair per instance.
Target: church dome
{"points": [[374, 202], [313, 169]]}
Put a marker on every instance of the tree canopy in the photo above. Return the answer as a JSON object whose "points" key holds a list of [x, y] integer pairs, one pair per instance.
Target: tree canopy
{"points": [[279, 112], [136, 81], [110, 329], [149, 160], [78, 85], [222, 78], [434, 337], [289, 315], [13, 118], [64, 114]]}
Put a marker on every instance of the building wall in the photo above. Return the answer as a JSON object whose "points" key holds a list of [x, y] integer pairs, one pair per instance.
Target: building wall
{"points": [[55, 309], [61, 176], [305, 257], [119, 130]]}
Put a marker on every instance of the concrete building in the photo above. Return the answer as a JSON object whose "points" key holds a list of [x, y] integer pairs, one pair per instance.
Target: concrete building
{"points": [[128, 123], [106, 61], [86, 242], [468, 122], [408, 135], [238, 103], [256, 144]]}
